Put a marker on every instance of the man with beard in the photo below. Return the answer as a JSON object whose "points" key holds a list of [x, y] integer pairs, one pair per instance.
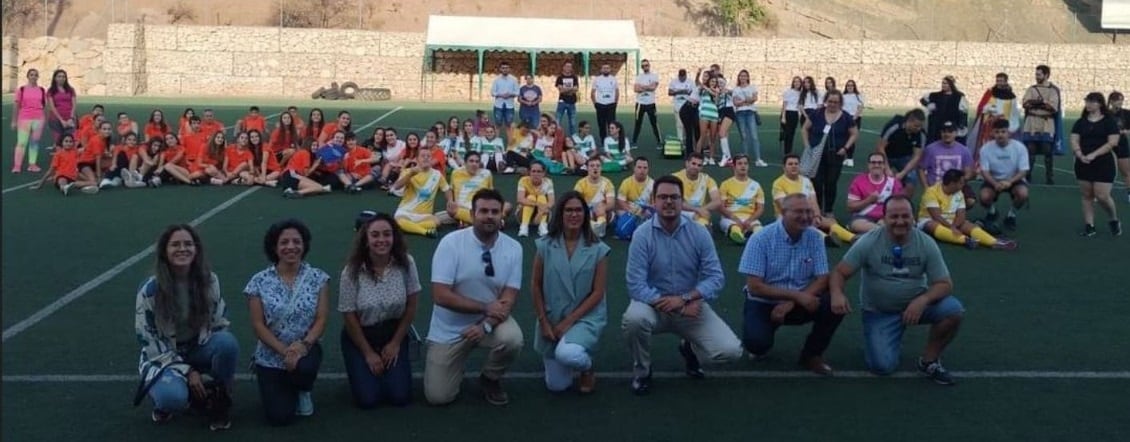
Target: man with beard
{"points": [[673, 273], [905, 282], [998, 103], [1041, 130], [476, 275]]}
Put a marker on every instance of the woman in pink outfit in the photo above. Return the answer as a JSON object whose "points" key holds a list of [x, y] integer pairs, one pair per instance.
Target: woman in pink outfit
{"points": [[28, 107]]}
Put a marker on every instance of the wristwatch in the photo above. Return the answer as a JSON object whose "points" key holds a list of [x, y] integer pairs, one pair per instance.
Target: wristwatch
{"points": [[687, 298], [487, 327]]}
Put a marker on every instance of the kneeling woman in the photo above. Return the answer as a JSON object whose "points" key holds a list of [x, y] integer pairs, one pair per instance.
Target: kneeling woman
{"points": [[570, 269], [288, 302], [378, 296], [181, 326]]}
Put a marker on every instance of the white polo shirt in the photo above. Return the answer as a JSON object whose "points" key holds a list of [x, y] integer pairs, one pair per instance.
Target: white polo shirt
{"points": [[605, 87], [646, 79], [676, 85], [458, 262]]}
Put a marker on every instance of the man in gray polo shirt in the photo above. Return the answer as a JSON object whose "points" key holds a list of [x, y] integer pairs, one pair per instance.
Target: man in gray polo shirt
{"points": [[905, 282], [1004, 164], [476, 275]]}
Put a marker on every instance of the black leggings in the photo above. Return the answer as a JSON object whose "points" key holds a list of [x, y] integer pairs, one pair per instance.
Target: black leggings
{"points": [[788, 131], [278, 388], [688, 114], [1041, 148], [649, 110], [827, 180]]}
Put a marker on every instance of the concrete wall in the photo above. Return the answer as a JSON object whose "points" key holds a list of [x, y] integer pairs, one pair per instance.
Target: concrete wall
{"points": [[160, 60]]}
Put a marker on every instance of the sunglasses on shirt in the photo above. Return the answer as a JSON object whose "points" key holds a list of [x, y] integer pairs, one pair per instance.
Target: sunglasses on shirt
{"points": [[488, 264]]}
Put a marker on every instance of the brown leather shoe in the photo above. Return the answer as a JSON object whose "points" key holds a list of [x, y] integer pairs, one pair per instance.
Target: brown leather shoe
{"points": [[816, 365], [587, 382], [493, 392]]}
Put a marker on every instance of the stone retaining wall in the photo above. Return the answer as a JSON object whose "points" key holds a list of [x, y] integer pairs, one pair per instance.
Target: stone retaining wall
{"points": [[164, 60]]}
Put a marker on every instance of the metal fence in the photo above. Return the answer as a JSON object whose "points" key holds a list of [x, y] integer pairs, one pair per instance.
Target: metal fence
{"points": [[1018, 21]]}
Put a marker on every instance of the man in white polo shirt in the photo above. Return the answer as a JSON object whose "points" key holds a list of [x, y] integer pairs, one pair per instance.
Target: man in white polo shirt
{"points": [[679, 89], [604, 95], [646, 84], [503, 90], [1004, 164], [476, 275]]}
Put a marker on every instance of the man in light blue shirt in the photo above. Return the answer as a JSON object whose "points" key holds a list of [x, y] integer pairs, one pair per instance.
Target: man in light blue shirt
{"points": [[673, 272], [503, 90], [786, 268]]}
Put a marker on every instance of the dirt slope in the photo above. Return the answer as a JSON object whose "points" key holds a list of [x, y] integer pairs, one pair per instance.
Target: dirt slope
{"points": [[1049, 21]]}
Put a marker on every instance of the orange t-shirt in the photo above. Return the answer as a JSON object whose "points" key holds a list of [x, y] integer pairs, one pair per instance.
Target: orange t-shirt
{"points": [[86, 122], [210, 128], [299, 162], [130, 151], [281, 140], [327, 132], [299, 125], [65, 162], [236, 156], [171, 153], [185, 127], [256, 122], [125, 128], [154, 131], [272, 160], [439, 160], [357, 161], [94, 148]]}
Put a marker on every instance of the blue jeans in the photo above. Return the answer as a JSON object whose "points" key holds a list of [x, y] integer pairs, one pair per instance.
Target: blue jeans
{"points": [[747, 127], [217, 358], [394, 386], [503, 116], [900, 163], [758, 329], [570, 110], [882, 333], [529, 115]]}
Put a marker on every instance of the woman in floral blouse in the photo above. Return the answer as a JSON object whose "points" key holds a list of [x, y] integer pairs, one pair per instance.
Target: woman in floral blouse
{"points": [[182, 327], [288, 303], [379, 288]]}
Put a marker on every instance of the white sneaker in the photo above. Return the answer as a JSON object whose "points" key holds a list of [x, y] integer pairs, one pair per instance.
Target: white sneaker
{"points": [[508, 170], [67, 188], [725, 162], [105, 183], [116, 182], [543, 229], [760, 163], [216, 182], [155, 181], [849, 163], [127, 177], [90, 190], [524, 231], [598, 227], [305, 404]]}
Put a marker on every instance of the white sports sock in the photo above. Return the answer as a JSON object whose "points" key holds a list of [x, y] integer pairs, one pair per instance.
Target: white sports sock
{"points": [[725, 147]]}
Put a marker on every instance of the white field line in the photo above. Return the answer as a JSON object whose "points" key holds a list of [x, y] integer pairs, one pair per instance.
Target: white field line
{"points": [[975, 374], [85, 288], [378, 120], [21, 186]]}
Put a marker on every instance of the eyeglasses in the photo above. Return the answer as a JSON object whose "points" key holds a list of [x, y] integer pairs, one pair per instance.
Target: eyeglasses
{"points": [[668, 197], [488, 264]]}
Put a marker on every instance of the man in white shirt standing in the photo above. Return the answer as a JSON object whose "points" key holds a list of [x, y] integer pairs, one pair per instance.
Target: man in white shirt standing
{"points": [[1004, 165], [679, 89], [605, 95], [646, 84], [503, 90], [476, 275]]}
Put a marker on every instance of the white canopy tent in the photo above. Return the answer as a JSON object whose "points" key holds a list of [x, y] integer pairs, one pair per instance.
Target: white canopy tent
{"points": [[1116, 14], [531, 35]]}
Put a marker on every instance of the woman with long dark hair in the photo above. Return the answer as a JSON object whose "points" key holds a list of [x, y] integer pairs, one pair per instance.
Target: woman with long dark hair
{"points": [[1122, 152], [569, 274], [853, 105], [1093, 138], [947, 104], [790, 114], [182, 326], [61, 109], [380, 286]]}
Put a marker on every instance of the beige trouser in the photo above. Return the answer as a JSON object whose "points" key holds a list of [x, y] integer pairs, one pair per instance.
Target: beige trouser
{"points": [[443, 373], [710, 337]]}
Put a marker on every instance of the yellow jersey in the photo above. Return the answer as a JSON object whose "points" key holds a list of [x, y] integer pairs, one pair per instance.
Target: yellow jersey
{"points": [[420, 192], [783, 187], [466, 185], [935, 197], [741, 197], [595, 193], [695, 192], [635, 192], [526, 184]]}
